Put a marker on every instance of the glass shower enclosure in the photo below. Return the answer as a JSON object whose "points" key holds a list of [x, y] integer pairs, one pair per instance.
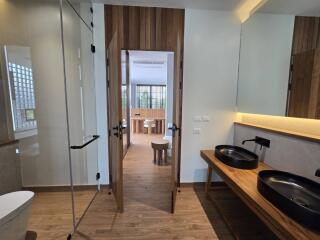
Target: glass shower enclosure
{"points": [[48, 102], [78, 50]]}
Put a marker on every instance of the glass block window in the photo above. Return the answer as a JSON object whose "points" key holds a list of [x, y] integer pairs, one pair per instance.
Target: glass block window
{"points": [[151, 96], [22, 97]]}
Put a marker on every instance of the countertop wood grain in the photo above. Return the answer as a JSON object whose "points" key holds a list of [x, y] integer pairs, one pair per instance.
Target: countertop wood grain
{"points": [[244, 184]]}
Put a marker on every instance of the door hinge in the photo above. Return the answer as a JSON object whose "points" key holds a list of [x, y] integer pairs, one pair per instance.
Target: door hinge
{"points": [[109, 131], [93, 48], [180, 85], [291, 67], [91, 24], [107, 62], [91, 10], [98, 176], [181, 64], [69, 236]]}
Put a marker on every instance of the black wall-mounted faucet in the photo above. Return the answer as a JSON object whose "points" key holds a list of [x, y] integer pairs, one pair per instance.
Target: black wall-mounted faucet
{"points": [[259, 140], [318, 173]]}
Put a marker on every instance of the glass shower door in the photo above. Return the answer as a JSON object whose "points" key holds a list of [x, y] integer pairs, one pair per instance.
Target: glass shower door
{"points": [[81, 107]]}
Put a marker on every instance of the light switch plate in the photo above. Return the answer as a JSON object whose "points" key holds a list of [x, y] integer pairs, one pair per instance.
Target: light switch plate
{"points": [[197, 118], [205, 118], [196, 130]]}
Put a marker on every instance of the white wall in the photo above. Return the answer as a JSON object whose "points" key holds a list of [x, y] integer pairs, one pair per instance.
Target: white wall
{"points": [[286, 153], [211, 53], [10, 177], [44, 158], [101, 96], [133, 96], [266, 42], [148, 67], [156, 73], [170, 79], [79, 65]]}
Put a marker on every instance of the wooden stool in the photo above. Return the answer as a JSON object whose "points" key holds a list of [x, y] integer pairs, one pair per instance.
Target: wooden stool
{"points": [[160, 146], [149, 125]]}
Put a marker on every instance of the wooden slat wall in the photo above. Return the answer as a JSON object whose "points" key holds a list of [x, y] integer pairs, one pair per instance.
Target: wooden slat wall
{"points": [[144, 28], [306, 34], [301, 84], [314, 105], [156, 29], [305, 84]]}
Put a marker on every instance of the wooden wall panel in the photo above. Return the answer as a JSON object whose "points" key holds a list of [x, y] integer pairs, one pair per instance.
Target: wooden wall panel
{"points": [[306, 34], [301, 84], [304, 98], [314, 108], [155, 29], [144, 28]]}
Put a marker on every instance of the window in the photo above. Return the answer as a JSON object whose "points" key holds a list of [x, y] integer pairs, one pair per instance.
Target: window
{"points": [[151, 96], [124, 96], [22, 97]]}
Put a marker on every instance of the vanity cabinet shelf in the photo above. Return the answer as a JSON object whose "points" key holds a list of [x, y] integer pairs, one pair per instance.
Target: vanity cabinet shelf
{"points": [[244, 184]]}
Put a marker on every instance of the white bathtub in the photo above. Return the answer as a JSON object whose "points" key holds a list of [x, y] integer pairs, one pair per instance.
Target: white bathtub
{"points": [[14, 213]]}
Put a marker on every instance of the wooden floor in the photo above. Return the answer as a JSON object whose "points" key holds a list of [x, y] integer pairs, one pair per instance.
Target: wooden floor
{"points": [[240, 219], [147, 208], [147, 205], [51, 214]]}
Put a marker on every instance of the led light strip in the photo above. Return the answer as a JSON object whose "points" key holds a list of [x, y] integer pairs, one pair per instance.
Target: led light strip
{"points": [[248, 8]]}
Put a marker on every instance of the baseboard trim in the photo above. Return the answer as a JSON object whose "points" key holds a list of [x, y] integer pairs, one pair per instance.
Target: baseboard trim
{"points": [[104, 186], [64, 188]]}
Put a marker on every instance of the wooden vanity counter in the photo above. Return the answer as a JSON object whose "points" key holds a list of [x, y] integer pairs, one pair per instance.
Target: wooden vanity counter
{"points": [[244, 184]]}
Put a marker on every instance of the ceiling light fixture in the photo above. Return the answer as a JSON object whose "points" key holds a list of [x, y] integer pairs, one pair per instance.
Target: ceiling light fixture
{"points": [[248, 8]]}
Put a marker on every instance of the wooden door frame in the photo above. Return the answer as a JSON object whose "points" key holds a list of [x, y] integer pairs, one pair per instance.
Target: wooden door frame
{"points": [[128, 100], [174, 94], [109, 123], [151, 29], [111, 116]]}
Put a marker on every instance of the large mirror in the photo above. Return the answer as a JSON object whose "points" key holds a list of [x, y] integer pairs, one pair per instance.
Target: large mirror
{"points": [[279, 69]]}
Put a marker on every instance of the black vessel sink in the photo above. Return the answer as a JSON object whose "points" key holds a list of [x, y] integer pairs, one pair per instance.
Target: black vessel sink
{"points": [[296, 196], [236, 157]]}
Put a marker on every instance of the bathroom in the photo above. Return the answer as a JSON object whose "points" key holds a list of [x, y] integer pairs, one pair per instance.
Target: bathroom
{"points": [[246, 70], [47, 105]]}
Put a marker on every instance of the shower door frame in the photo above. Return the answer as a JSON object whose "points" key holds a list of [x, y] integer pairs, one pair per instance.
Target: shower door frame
{"points": [[94, 137]]}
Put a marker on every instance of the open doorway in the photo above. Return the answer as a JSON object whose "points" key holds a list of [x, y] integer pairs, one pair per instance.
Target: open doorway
{"points": [[132, 30], [147, 79], [147, 98]]}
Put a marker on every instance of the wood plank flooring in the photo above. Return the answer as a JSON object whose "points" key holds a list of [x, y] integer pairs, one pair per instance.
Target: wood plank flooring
{"points": [[240, 219], [51, 213], [147, 205], [147, 208]]}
